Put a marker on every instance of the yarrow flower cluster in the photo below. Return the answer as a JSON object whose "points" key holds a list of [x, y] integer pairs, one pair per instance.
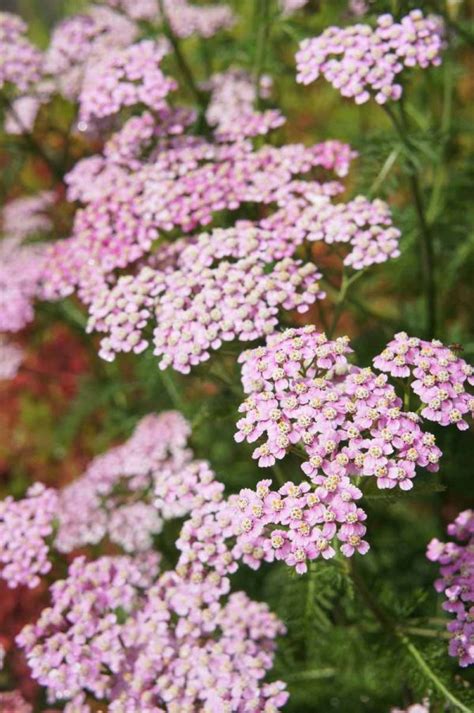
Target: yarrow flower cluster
{"points": [[349, 422], [28, 215], [358, 8], [125, 77], [362, 62], [25, 526], [116, 628], [456, 561], [365, 226], [127, 493], [197, 301], [81, 40], [203, 301], [152, 179], [136, 9], [297, 523], [438, 376], [185, 182], [160, 648], [20, 61], [22, 264], [76, 638], [231, 107]]}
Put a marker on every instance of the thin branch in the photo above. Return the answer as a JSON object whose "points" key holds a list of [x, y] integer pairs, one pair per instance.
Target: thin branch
{"points": [[314, 675], [386, 622], [170, 388], [263, 33], [279, 474], [183, 65], [429, 673], [427, 259], [346, 283]]}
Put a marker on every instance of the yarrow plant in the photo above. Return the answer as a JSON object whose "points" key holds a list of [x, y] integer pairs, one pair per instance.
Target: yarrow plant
{"points": [[349, 423], [205, 245], [99, 634]]}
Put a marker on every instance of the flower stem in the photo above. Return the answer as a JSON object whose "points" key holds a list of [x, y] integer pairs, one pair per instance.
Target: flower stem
{"points": [[279, 474], [262, 20], [183, 65], [345, 284], [429, 673], [170, 388], [314, 675], [426, 633], [389, 625], [427, 259]]}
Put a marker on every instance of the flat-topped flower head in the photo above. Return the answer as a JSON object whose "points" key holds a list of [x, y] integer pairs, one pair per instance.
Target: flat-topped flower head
{"points": [[138, 642], [231, 109], [362, 62], [346, 422], [187, 19], [225, 285], [125, 77], [21, 270], [297, 523], [77, 638], [437, 374], [80, 40], [28, 215], [147, 184]]}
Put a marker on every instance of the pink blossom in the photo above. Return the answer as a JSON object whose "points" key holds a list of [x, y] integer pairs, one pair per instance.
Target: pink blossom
{"points": [[21, 62], [25, 526], [364, 63], [456, 562], [438, 376]]}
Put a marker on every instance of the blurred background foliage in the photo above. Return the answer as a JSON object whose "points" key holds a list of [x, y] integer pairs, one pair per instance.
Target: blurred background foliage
{"points": [[67, 405]]}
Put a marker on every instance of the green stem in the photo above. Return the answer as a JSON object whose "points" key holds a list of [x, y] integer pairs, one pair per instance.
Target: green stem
{"points": [[429, 673], [279, 474], [262, 20], [183, 65], [384, 171], [391, 628], [171, 390], [427, 259], [345, 284], [427, 633], [314, 675]]}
